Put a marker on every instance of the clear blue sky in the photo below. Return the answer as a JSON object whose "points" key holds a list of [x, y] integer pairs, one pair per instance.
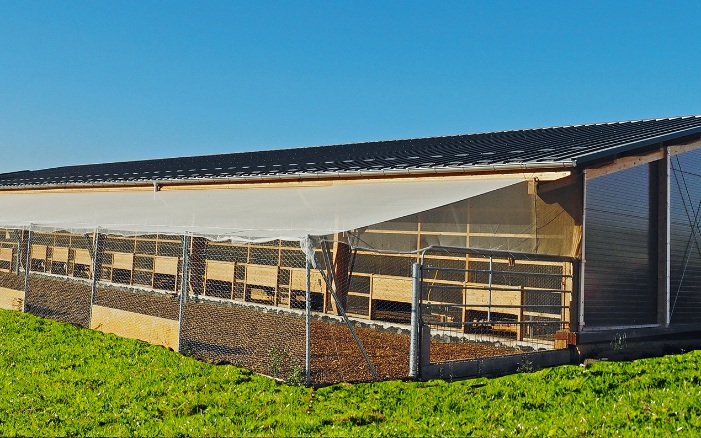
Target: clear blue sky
{"points": [[98, 81]]}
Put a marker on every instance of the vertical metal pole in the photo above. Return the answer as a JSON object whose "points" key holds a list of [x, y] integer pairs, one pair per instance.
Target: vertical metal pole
{"points": [[27, 267], [583, 263], [308, 327], [414, 339], [663, 239], [95, 255], [19, 249], [489, 303], [183, 287]]}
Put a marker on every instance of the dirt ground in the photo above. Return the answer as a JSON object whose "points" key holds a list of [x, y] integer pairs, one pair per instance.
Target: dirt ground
{"points": [[268, 343]]}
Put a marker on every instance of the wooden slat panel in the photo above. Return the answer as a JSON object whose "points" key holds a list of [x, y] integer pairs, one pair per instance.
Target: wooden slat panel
{"points": [[298, 280], [6, 254], [11, 299], [154, 330], [123, 260], [501, 298], [82, 257], [165, 265], [59, 254], [261, 275], [39, 252], [220, 271], [391, 288]]}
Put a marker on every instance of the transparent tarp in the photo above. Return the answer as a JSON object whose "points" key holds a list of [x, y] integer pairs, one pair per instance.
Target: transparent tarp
{"points": [[239, 213], [513, 218]]}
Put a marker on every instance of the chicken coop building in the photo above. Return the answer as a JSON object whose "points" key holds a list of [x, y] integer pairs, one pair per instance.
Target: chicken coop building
{"points": [[538, 238]]}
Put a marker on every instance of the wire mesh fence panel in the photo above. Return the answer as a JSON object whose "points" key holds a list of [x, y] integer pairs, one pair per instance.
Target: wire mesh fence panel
{"points": [[151, 261], [245, 306], [363, 332], [58, 287], [481, 303], [60, 299], [261, 340], [136, 295], [11, 282], [10, 243], [336, 356]]}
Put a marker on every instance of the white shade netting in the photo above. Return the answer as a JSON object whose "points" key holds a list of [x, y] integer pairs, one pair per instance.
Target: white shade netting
{"points": [[243, 214]]}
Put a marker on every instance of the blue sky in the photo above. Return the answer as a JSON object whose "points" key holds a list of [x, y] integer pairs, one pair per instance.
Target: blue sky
{"points": [[98, 81]]}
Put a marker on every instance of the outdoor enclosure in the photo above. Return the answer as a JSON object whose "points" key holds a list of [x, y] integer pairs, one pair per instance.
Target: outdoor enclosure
{"points": [[255, 304]]}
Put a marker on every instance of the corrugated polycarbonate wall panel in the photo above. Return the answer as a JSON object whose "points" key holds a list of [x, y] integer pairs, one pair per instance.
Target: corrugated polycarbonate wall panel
{"points": [[685, 260], [620, 280]]}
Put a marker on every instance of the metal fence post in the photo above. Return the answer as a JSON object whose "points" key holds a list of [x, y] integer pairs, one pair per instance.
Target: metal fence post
{"points": [[19, 249], [183, 287], [415, 321], [27, 267], [489, 302], [95, 273], [308, 327]]}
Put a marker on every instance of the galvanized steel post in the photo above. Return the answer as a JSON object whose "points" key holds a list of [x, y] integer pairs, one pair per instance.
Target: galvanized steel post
{"points": [[183, 286], [415, 321], [489, 303], [19, 249], [308, 327], [95, 273], [28, 259]]}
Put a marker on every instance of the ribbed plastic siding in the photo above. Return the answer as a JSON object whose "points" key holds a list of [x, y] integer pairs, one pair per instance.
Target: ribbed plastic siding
{"points": [[685, 260], [620, 286]]}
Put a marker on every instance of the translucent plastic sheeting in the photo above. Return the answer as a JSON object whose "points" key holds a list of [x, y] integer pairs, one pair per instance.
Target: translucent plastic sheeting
{"points": [[239, 214], [514, 218]]}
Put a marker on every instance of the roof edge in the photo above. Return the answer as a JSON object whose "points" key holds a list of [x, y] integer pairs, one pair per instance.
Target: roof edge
{"points": [[396, 173], [585, 159]]}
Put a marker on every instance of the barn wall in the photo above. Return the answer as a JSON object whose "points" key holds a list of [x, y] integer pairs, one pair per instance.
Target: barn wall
{"points": [[620, 282], [685, 263]]}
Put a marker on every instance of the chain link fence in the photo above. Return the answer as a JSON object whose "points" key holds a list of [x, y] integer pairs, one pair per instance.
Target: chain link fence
{"points": [[318, 313], [245, 305], [479, 303]]}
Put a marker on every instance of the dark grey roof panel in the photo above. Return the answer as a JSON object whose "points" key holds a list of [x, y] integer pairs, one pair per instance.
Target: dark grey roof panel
{"points": [[570, 145]]}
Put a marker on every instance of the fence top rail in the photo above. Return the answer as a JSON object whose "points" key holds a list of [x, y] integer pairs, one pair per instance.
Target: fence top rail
{"points": [[495, 253], [430, 268], [516, 255]]}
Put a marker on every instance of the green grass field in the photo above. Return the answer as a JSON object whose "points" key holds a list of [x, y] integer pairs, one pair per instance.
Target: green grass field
{"points": [[61, 380]]}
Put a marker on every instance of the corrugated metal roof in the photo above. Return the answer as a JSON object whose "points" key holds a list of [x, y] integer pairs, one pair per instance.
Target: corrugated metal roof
{"points": [[565, 145]]}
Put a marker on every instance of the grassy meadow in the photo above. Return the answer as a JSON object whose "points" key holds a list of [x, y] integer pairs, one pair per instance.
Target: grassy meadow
{"points": [[60, 380]]}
